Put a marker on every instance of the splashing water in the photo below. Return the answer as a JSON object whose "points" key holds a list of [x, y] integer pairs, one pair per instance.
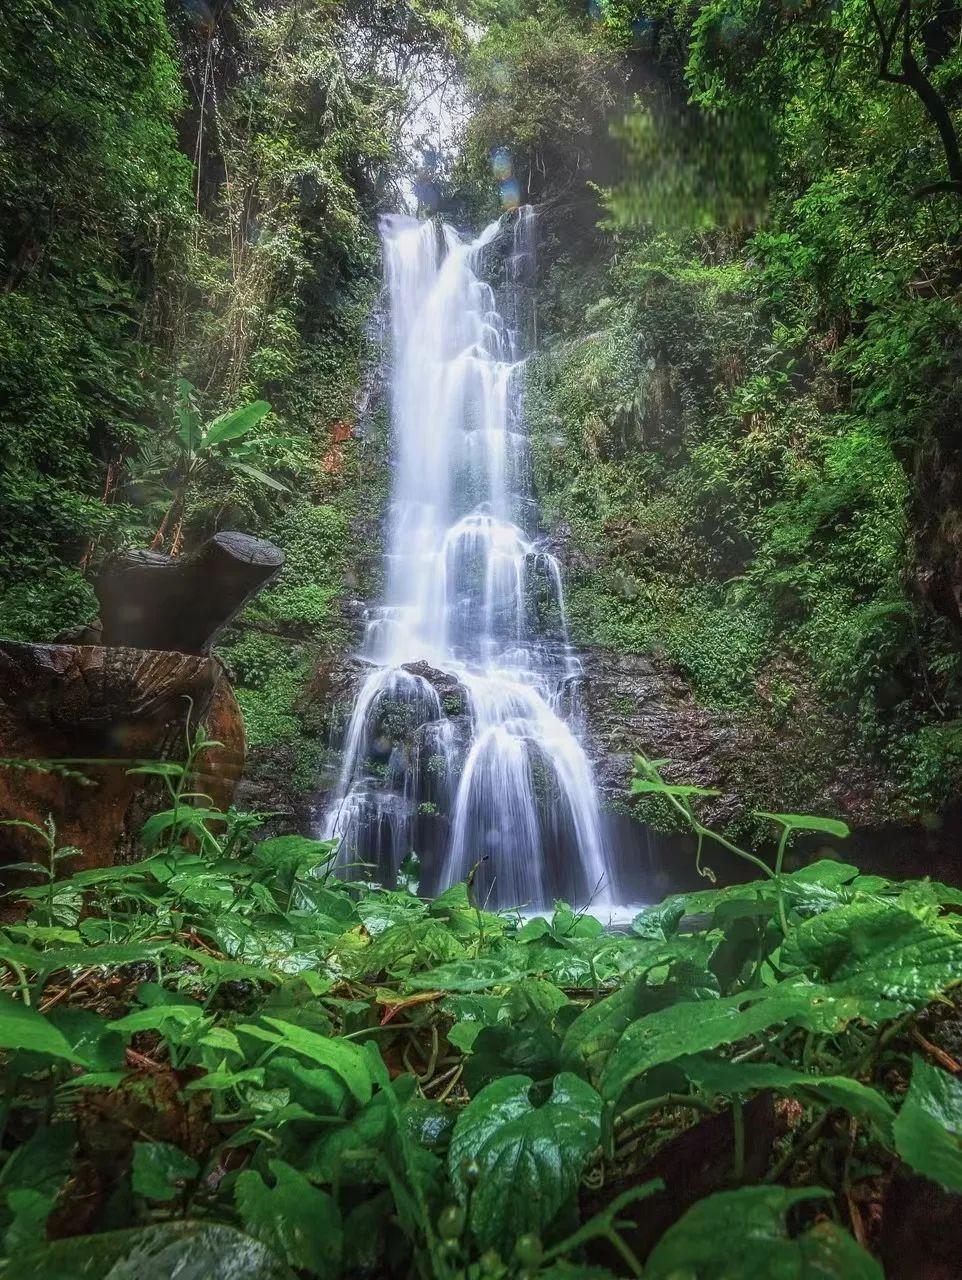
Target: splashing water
{"points": [[460, 742]]}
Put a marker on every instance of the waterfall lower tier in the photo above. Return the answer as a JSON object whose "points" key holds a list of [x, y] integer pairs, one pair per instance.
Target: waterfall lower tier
{"points": [[462, 745]]}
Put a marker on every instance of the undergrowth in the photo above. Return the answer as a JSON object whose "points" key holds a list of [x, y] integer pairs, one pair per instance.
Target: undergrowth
{"points": [[227, 1059]]}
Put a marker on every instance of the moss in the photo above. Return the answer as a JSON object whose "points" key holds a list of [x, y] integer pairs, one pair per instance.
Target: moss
{"points": [[735, 518]]}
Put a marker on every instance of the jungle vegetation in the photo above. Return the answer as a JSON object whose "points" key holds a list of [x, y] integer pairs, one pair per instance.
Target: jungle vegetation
{"points": [[223, 1060], [747, 399]]}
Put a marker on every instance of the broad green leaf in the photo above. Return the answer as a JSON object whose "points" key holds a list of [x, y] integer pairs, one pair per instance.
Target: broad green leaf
{"points": [[160, 1170], [928, 1128], [350, 1152], [235, 423], [296, 1220], [90, 1036], [261, 477], [742, 1235], [43, 1162], [187, 818], [165, 1018], [30, 1211], [531, 1156], [659, 922], [467, 975], [192, 1250], [294, 851], [592, 1036], [320, 1090], [878, 948], [347, 1060], [22, 1027], [681, 1029], [808, 822], [828, 872]]}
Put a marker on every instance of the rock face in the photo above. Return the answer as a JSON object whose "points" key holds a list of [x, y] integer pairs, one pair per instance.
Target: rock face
{"points": [[630, 706], [105, 708], [630, 703]]}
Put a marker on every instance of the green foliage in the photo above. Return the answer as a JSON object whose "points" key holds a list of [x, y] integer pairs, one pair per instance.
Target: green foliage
{"points": [[530, 1158], [93, 189], [189, 206], [742, 409], [539, 86], [327, 1058], [748, 1229], [928, 1129]]}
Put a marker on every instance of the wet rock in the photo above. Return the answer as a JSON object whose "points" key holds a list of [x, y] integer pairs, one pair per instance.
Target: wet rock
{"points": [[109, 708], [630, 705], [453, 695]]}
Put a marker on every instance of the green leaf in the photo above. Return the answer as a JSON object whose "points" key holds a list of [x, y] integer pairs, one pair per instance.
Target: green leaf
{"points": [[236, 423], [160, 1170], [644, 786], [928, 1128], [531, 1156], [192, 818], [165, 1018], [186, 416], [742, 1235], [261, 477], [30, 1210], [294, 851], [807, 822], [43, 1163], [467, 975], [659, 922], [299, 1222], [90, 1036], [878, 948], [346, 1060], [688, 1028], [592, 1036], [22, 1027], [183, 1249]]}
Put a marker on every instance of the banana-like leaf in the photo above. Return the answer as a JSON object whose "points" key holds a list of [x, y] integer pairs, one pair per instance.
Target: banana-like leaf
{"points": [[236, 423]]}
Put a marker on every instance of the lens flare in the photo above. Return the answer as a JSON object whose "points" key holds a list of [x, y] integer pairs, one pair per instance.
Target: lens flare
{"points": [[510, 194]]}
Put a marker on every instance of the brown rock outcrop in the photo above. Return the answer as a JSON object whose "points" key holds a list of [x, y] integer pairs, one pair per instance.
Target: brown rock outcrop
{"points": [[105, 709]]}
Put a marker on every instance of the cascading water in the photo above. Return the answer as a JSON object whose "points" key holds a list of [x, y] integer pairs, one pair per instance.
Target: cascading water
{"points": [[460, 742]]}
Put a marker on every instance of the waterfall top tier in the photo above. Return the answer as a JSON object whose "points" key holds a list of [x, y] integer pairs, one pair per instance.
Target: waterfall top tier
{"points": [[473, 592]]}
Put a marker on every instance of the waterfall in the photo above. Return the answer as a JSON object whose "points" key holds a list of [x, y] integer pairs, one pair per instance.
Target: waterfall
{"points": [[460, 744]]}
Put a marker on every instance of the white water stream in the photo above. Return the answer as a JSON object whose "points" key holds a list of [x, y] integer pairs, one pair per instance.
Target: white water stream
{"points": [[474, 604]]}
